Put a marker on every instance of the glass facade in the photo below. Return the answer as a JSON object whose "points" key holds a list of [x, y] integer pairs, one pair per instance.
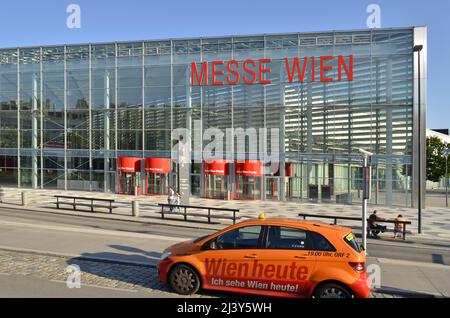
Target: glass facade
{"points": [[68, 112]]}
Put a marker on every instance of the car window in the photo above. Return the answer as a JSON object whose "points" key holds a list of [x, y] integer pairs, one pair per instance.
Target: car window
{"points": [[351, 240], [288, 238], [241, 238], [321, 243]]}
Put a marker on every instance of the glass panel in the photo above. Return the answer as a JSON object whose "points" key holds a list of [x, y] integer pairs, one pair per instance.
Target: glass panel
{"points": [[8, 138], [129, 139], [8, 177]]}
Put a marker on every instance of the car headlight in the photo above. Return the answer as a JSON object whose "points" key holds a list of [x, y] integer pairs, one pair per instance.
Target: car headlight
{"points": [[165, 255]]}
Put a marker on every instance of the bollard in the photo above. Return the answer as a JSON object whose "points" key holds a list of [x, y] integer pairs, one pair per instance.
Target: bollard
{"points": [[135, 208], [24, 198]]}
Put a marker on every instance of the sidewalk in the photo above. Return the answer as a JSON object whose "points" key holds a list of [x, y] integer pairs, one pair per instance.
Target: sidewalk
{"points": [[436, 221], [413, 279]]}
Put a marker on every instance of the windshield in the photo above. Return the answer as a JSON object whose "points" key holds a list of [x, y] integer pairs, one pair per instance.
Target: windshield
{"points": [[350, 239]]}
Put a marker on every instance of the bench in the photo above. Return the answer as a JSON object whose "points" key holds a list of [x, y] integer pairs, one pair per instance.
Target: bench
{"points": [[336, 218], [209, 215], [92, 203]]}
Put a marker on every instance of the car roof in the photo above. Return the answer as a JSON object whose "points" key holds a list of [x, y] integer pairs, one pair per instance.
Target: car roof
{"points": [[318, 226]]}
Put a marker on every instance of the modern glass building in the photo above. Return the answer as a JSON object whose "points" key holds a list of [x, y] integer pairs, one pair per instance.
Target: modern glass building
{"points": [[99, 117]]}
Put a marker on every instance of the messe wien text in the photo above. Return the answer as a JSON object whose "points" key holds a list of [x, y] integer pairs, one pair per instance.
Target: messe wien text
{"points": [[251, 71]]}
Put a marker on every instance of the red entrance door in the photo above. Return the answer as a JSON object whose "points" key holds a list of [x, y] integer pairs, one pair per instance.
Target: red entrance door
{"points": [[128, 175], [157, 172], [216, 179], [248, 180]]}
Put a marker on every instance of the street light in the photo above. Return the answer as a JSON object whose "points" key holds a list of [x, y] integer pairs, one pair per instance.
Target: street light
{"points": [[418, 49], [367, 181]]}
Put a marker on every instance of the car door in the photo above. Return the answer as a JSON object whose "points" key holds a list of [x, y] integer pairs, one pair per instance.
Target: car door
{"points": [[228, 258], [288, 260]]}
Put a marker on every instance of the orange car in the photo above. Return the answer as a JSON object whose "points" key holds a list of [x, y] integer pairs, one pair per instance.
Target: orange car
{"points": [[272, 257]]}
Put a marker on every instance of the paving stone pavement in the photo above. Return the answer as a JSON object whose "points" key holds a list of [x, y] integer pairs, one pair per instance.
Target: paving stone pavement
{"points": [[93, 273]]}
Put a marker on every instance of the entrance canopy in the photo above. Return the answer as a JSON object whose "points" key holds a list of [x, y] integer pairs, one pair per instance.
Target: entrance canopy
{"points": [[217, 167], [129, 164], [158, 165], [250, 168]]}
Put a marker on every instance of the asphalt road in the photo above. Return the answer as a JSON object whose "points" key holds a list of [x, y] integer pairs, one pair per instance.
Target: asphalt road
{"points": [[15, 286], [154, 238]]}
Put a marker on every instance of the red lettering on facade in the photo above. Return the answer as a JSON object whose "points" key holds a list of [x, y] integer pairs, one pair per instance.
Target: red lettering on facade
{"points": [[233, 72], [264, 70], [296, 69], [324, 68], [201, 79], [250, 72], [215, 72], [348, 69]]}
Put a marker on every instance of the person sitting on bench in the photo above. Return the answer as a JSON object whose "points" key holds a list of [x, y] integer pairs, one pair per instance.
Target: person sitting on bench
{"points": [[399, 227], [374, 228]]}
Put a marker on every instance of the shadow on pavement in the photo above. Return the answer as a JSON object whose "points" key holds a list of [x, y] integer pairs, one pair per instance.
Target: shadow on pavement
{"points": [[403, 292], [135, 268], [119, 267]]}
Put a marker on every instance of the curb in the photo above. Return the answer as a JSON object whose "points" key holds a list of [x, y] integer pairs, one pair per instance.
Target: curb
{"points": [[405, 293], [189, 225], [79, 257]]}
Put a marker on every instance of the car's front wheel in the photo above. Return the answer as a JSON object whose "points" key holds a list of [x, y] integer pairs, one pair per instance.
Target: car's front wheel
{"points": [[184, 280], [330, 290]]}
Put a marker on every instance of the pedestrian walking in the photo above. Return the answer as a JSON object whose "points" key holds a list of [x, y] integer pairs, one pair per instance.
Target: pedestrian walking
{"points": [[171, 198], [177, 202]]}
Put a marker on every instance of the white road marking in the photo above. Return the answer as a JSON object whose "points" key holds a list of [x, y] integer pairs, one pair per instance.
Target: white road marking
{"points": [[96, 286], [411, 263], [93, 231]]}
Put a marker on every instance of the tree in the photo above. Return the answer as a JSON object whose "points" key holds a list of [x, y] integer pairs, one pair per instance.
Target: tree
{"points": [[436, 159]]}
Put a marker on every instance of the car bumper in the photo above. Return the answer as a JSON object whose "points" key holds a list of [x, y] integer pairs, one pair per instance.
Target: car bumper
{"points": [[362, 287], [163, 268]]}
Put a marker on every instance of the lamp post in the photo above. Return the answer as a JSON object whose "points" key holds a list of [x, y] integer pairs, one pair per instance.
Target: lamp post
{"points": [[418, 49], [367, 189], [446, 153]]}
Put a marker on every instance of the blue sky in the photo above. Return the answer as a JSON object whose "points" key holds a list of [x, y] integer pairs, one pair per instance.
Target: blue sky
{"points": [[26, 23]]}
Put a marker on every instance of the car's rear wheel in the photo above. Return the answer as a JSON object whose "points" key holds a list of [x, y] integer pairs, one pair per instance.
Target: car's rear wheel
{"points": [[184, 280], [331, 290]]}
